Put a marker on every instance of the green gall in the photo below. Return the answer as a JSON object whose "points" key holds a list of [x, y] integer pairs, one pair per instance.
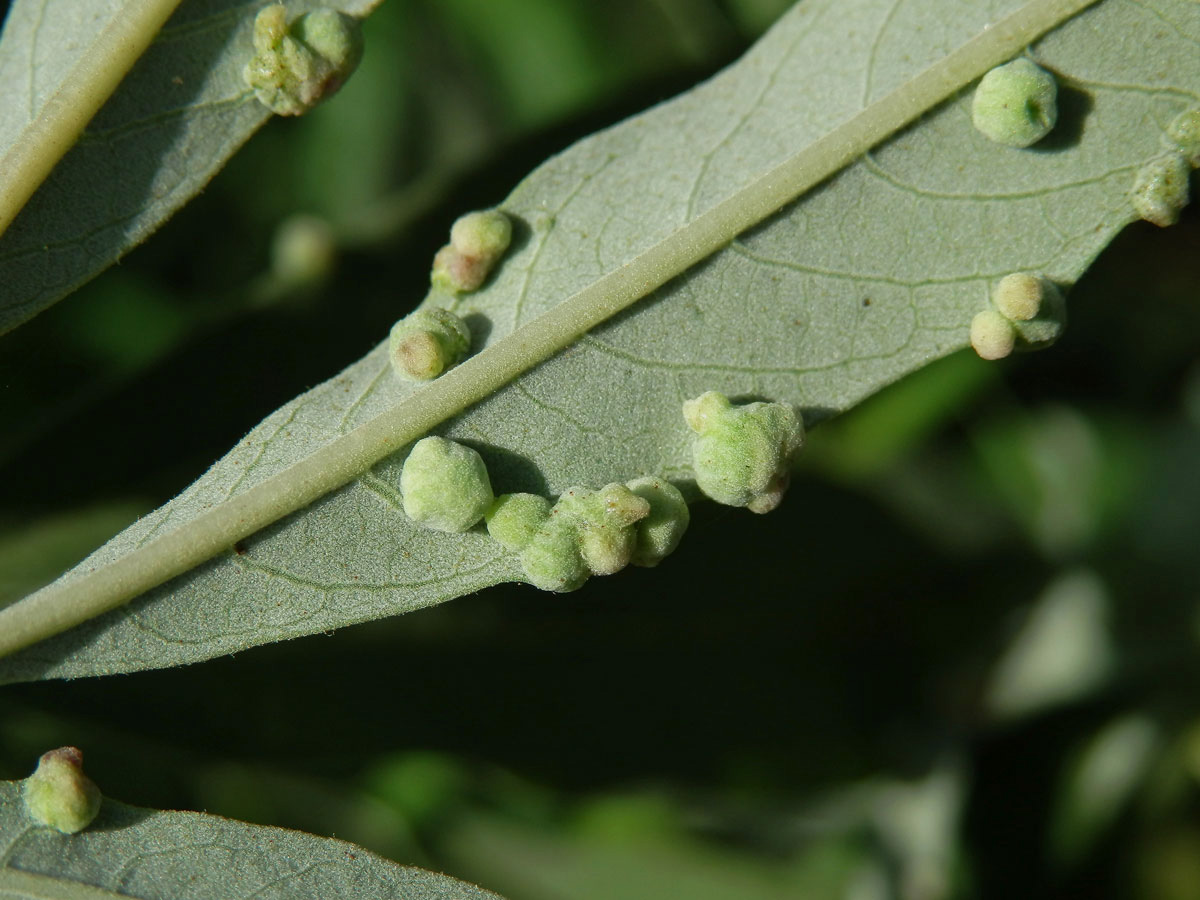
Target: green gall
{"points": [[614, 503], [333, 36], [1160, 189], [477, 241], [445, 485], [1016, 104], [457, 274], [427, 342], [1027, 313], [1038, 333], [992, 335], [551, 560], [1184, 134], [1047, 323], [742, 454], [706, 410], [58, 794], [303, 250], [297, 66], [660, 532], [513, 519], [485, 234], [1019, 296], [585, 533], [270, 27], [603, 521]]}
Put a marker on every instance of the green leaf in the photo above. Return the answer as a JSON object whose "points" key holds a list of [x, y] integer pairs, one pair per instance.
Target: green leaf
{"points": [[132, 852], [1102, 778], [870, 276], [172, 123]]}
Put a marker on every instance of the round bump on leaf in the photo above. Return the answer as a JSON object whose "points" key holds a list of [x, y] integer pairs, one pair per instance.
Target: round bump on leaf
{"points": [[59, 795], [1160, 189], [445, 485], [477, 241], [513, 519], [1018, 296], [427, 342], [1016, 104], [992, 335], [742, 454], [660, 532], [1184, 134], [297, 66], [551, 560], [485, 234]]}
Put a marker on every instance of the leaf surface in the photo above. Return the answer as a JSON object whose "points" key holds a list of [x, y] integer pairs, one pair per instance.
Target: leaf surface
{"points": [[132, 852], [175, 119], [869, 277]]}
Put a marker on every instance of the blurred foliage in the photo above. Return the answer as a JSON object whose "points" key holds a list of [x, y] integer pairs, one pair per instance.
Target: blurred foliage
{"points": [[960, 661]]}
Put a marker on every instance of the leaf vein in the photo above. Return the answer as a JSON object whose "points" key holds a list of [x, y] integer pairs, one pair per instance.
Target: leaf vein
{"points": [[885, 176]]}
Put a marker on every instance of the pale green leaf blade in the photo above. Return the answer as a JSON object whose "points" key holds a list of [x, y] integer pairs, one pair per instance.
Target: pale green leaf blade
{"points": [[148, 854], [175, 119], [865, 279]]}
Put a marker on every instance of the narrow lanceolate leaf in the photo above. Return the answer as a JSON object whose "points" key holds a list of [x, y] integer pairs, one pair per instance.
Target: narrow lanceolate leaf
{"points": [[874, 273], [144, 853], [174, 120]]}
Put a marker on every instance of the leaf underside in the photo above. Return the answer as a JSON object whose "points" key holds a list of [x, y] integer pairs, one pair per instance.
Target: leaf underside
{"points": [[869, 277], [144, 853], [173, 122]]}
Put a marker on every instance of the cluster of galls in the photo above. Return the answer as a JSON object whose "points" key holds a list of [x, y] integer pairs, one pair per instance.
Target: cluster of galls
{"points": [[590, 532], [477, 241], [445, 487], [433, 339], [1016, 104], [1160, 188], [1027, 312], [297, 65], [741, 456]]}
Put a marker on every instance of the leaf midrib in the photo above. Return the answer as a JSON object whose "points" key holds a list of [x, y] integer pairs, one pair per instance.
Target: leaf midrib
{"points": [[80, 94], [64, 604]]}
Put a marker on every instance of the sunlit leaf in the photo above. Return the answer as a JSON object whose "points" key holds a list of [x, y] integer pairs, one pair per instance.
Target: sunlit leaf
{"points": [[867, 278]]}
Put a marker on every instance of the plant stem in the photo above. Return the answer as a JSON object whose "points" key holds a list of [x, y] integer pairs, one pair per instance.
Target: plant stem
{"points": [[68, 602], [62, 118]]}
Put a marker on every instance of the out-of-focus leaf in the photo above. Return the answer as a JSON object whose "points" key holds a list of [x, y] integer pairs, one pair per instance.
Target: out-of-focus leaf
{"points": [[878, 432], [1062, 651], [1100, 781], [1062, 475]]}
